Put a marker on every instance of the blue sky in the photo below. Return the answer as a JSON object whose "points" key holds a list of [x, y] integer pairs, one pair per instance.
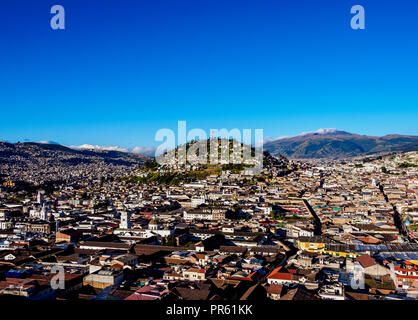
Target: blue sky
{"points": [[121, 70]]}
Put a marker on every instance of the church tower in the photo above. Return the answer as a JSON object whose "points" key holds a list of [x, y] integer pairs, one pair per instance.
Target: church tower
{"points": [[44, 212], [125, 220]]}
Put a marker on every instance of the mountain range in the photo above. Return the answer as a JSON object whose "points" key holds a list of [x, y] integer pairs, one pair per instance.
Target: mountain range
{"points": [[32, 153], [320, 144], [337, 144]]}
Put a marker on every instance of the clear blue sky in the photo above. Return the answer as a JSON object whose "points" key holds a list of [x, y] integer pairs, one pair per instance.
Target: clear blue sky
{"points": [[121, 70]]}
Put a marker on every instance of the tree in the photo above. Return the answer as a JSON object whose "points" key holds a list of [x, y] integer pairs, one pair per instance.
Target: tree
{"points": [[171, 241], [151, 164]]}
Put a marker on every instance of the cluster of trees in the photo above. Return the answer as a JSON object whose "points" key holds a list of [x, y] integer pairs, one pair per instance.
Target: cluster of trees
{"points": [[408, 165], [173, 177], [277, 215], [235, 167], [151, 164], [170, 241], [156, 177]]}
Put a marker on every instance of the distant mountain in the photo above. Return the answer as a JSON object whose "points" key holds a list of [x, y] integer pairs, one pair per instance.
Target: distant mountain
{"points": [[336, 144], [34, 153]]}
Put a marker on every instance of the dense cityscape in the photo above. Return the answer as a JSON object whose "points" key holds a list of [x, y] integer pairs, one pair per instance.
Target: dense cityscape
{"points": [[183, 159], [130, 229]]}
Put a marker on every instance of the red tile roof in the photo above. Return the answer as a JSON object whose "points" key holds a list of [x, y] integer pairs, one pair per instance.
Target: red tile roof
{"points": [[366, 261], [280, 273], [196, 270], [275, 289]]}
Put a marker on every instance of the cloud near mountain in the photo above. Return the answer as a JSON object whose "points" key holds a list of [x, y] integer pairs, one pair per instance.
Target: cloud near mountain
{"points": [[149, 151], [48, 142]]}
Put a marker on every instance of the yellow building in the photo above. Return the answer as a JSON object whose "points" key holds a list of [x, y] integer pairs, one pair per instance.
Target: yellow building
{"points": [[341, 254], [9, 183], [311, 244]]}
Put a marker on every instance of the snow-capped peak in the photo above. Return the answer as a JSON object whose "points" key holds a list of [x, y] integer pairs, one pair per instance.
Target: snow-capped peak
{"points": [[101, 148], [138, 150], [321, 131]]}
